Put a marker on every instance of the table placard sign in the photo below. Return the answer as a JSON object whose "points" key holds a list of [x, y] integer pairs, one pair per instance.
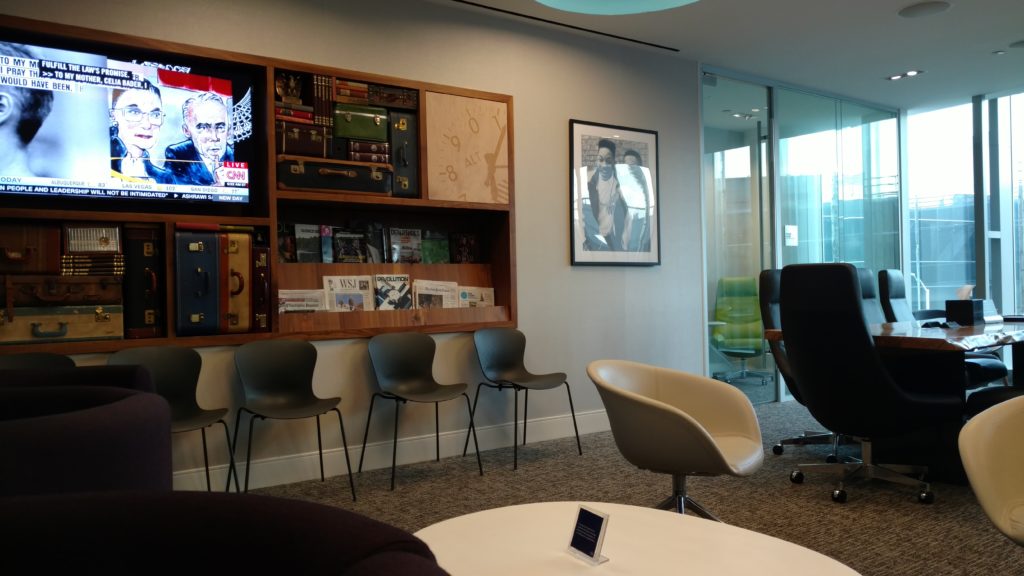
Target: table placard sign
{"points": [[588, 535]]}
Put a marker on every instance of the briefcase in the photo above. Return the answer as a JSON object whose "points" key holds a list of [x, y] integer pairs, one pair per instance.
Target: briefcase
{"points": [[299, 173], [144, 315], [302, 139], [405, 154], [62, 324], [29, 248], [261, 289], [360, 122], [198, 273], [235, 282]]}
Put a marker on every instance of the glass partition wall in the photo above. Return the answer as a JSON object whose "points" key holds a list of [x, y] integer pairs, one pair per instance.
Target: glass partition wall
{"points": [[789, 177]]}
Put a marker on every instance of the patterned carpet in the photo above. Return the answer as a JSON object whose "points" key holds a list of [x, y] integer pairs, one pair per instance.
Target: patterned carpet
{"points": [[880, 531]]}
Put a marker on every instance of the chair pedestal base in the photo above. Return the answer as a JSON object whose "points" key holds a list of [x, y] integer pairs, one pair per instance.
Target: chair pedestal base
{"points": [[866, 469], [680, 502]]}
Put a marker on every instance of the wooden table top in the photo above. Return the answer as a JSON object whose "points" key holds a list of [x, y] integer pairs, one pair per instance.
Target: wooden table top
{"points": [[913, 335]]}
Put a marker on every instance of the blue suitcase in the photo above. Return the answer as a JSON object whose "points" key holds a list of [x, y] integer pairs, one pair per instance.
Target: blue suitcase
{"points": [[197, 268]]}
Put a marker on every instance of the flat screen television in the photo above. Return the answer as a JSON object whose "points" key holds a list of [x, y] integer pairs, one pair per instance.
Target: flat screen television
{"points": [[98, 126]]}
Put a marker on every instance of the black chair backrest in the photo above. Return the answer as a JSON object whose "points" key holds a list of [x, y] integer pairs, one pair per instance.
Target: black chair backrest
{"points": [[770, 290], [873, 312], [35, 360], [842, 379], [892, 293], [174, 369], [277, 369], [403, 362], [501, 352]]}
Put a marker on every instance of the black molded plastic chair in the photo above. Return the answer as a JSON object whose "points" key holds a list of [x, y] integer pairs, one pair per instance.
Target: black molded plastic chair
{"points": [[981, 367], [844, 383], [404, 365], [501, 352], [769, 290], [35, 360], [175, 374], [277, 378]]}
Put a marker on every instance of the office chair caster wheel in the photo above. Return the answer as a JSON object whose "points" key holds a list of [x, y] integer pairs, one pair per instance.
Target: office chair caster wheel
{"points": [[831, 459], [796, 477], [926, 497], [777, 449], [839, 496]]}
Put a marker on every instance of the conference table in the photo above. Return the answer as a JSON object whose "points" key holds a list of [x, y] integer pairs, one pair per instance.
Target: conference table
{"points": [[534, 539]]}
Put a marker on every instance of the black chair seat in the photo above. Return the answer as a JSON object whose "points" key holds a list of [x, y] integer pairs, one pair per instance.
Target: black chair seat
{"points": [[439, 394], [182, 421], [982, 370], [290, 408], [535, 381], [980, 400]]}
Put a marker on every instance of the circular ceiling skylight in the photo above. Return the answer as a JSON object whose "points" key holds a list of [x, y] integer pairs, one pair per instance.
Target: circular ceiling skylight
{"points": [[614, 7]]}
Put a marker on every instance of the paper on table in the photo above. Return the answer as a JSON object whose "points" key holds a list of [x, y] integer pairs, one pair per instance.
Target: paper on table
{"points": [[964, 292]]}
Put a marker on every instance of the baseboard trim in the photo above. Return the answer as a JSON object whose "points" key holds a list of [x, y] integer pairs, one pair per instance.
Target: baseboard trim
{"points": [[300, 467]]}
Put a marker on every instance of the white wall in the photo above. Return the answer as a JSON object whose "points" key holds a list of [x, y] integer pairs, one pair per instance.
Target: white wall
{"points": [[571, 315]]}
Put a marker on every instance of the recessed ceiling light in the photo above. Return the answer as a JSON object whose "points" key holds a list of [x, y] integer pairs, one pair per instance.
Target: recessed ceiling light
{"points": [[998, 52], [907, 74], [614, 7], [922, 9]]}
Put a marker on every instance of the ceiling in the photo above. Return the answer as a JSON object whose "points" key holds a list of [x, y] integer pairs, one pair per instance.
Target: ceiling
{"points": [[840, 47]]}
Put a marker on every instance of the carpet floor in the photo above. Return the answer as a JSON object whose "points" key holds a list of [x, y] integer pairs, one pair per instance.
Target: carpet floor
{"points": [[881, 531]]}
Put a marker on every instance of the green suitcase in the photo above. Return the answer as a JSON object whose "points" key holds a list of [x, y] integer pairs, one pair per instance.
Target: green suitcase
{"points": [[360, 122]]}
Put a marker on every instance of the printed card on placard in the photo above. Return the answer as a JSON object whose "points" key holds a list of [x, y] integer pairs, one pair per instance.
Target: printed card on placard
{"points": [[392, 292], [588, 535], [349, 293]]}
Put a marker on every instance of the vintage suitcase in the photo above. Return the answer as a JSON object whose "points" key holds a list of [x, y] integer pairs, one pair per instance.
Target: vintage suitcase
{"points": [[405, 154], [92, 239], [62, 324], [198, 272], [302, 139], [393, 96], [300, 173], [360, 122], [261, 288], [369, 157], [144, 315], [235, 282], [29, 248], [26, 290]]}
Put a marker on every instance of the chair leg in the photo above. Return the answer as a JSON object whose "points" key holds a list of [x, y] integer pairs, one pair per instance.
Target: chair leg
{"points": [[437, 432], [394, 446], [206, 459], [348, 463], [680, 502], [320, 447], [472, 429], [515, 429], [572, 411], [472, 414], [366, 432], [248, 453], [526, 406], [231, 459]]}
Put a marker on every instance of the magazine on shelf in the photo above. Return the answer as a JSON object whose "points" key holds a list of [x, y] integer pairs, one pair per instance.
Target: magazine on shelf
{"points": [[307, 243], [349, 293], [435, 294], [434, 247], [350, 246], [301, 301], [392, 292], [475, 296], [405, 245], [465, 248], [286, 242], [326, 243]]}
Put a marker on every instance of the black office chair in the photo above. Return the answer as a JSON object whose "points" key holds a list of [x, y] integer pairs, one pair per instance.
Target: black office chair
{"points": [[35, 361], [981, 367], [175, 373], [403, 363], [770, 288], [501, 352], [842, 378], [277, 377]]}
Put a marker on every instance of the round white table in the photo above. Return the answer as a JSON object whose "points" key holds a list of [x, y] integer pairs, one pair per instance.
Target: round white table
{"points": [[534, 539]]}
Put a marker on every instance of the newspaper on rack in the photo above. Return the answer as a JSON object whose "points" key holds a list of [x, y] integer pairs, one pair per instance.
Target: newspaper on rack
{"points": [[435, 294], [475, 296], [349, 293], [301, 301]]}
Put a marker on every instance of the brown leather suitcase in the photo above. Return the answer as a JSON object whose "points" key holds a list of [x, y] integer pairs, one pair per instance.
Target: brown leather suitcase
{"points": [[62, 324], [29, 248], [236, 282], [18, 290], [303, 139]]}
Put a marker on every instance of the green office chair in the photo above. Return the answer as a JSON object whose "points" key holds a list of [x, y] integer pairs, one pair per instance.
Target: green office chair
{"points": [[738, 332]]}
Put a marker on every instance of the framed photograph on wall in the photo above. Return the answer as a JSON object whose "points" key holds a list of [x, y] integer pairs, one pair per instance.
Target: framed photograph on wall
{"points": [[613, 195]]}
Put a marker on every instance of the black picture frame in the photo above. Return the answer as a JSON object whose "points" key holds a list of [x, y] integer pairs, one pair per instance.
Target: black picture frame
{"points": [[613, 207]]}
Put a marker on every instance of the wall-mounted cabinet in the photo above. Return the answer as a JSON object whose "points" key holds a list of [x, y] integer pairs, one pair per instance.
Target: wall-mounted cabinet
{"points": [[214, 169]]}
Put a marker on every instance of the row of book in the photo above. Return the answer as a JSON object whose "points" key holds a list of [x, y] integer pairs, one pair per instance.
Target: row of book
{"points": [[383, 292], [374, 244]]}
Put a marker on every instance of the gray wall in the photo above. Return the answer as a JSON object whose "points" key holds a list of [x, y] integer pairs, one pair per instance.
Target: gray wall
{"points": [[571, 315]]}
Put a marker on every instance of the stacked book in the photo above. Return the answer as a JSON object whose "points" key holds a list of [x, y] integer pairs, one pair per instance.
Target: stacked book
{"points": [[92, 264]]}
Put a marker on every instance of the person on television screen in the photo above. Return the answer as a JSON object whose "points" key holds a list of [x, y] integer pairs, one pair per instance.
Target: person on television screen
{"points": [[136, 115], [606, 201], [22, 112], [200, 159]]}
